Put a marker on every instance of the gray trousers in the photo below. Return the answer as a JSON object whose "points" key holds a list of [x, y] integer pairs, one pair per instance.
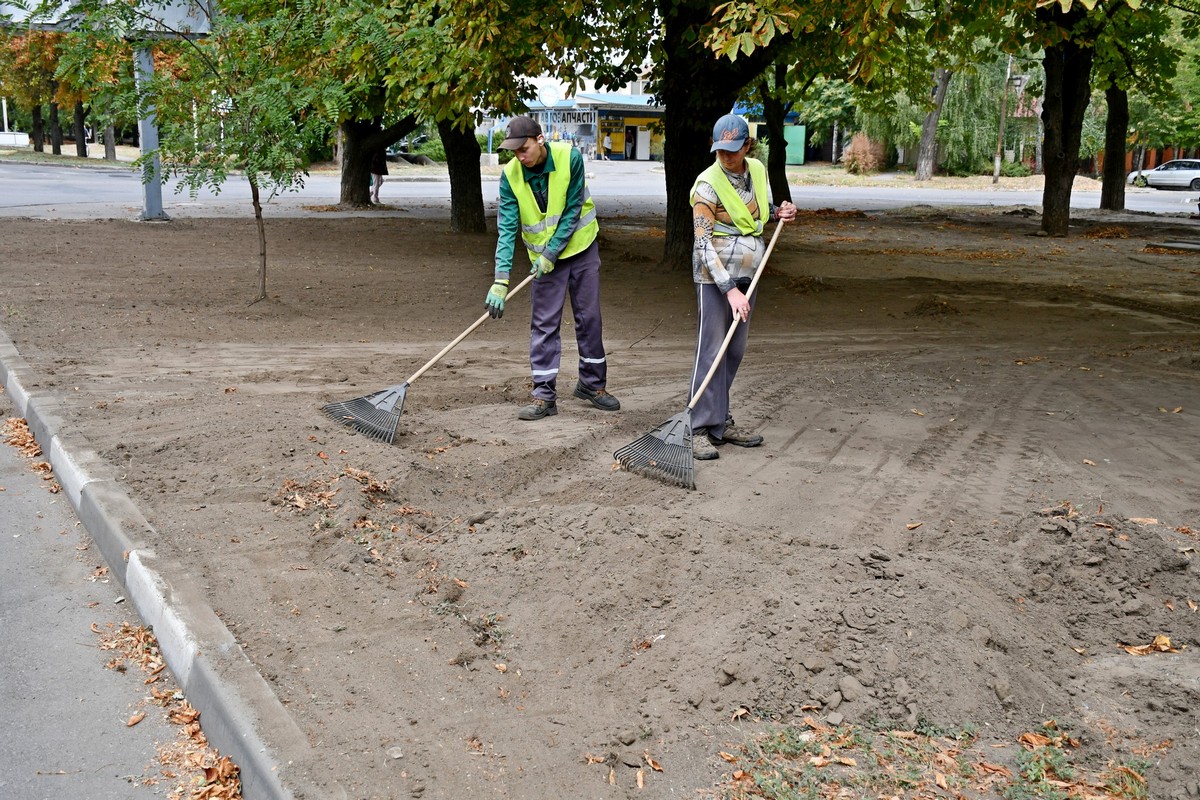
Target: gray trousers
{"points": [[579, 275], [712, 324]]}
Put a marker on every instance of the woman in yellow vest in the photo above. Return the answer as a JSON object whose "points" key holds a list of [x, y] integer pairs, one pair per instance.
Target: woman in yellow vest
{"points": [[730, 208], [544, 197]]}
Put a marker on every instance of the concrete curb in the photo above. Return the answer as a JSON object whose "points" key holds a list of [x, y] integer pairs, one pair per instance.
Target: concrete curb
{"points": [[239, 712]]}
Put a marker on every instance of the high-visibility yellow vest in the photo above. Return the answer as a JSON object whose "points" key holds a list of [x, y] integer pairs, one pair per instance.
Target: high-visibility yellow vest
{"points": [[537, 228], [743, 223]]}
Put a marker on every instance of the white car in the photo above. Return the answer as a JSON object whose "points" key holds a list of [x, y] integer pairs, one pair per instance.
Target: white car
{"points": [[1182, 173]]}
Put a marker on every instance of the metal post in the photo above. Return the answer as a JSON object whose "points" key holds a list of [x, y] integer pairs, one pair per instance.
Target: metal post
{"points": [[4, 100], [152, 207], [1003, 114]]}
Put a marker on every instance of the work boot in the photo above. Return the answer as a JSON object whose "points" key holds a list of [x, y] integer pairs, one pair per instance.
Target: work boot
{"points": [[702, 448], [735, 435], [597, 397], [538, 409]]}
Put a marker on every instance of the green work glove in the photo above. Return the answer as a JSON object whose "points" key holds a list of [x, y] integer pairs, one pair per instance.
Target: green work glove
{"points": [[495, 299], [542, 266]]}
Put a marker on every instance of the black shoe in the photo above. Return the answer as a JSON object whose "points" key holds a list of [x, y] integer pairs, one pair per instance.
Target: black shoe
{"points": [[598, 397], [540, 408], [735, 435]]}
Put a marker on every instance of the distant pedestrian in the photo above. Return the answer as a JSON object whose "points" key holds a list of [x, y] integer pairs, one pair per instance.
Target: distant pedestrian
{"points": [[378, 170], [607, 147]]}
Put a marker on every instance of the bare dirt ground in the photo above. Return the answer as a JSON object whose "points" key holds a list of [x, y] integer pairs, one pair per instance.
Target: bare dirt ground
{"points": [[979, 481]]}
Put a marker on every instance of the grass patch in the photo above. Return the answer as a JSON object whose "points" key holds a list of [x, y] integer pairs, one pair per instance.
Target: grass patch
{"points": [[813, 761]]}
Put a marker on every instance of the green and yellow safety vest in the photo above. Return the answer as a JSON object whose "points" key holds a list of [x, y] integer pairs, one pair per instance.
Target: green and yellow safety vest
{"points": [[538, 227], [743, 223]]}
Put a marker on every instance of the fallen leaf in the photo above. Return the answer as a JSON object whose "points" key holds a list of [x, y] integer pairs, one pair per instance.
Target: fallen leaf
{"points": [[918, 413], [730, 757], [1144, 520], [912, 526], [1177, 409], [1033, 740], [995, 769], [612, 777], [641, 778], [846, 761], [135, 719], [1192, 605], [321, 455], [654, 765], [1161, 644], [591, 759], [741, 712], [1081, 650], [1089, 462], [940, 780], [501, 667]]}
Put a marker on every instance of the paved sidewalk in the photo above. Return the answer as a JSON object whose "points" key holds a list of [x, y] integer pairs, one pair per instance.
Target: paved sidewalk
{"points": [[65, 713], [240, 715]]}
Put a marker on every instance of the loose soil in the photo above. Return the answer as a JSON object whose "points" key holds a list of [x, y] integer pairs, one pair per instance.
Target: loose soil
{"points": [[979, 481]]}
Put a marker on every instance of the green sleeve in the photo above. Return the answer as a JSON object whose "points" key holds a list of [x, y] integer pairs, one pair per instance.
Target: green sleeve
{"points": [[508, 223]]}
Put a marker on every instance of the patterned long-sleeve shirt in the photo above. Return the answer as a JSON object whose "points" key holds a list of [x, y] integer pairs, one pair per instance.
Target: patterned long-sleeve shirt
{"points": [[724, 260]]}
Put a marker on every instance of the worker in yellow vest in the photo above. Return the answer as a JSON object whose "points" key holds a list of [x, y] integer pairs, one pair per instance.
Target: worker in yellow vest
{"points": [[730, 208], [544, 197]]}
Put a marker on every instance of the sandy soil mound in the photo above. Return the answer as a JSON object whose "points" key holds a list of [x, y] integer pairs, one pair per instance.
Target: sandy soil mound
{"points": [[978, 484]]}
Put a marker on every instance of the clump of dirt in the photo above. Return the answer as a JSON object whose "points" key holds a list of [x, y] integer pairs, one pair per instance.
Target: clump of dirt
{"points": [[932, 307]]}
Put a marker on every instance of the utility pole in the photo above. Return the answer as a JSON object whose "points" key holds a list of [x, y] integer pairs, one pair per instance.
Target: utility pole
{"points": [[1003, 114]]}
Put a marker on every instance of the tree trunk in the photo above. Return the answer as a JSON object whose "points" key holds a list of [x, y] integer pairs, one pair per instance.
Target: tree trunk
{"points": [[1116, 134], [80, 127], [775, 112], [262, 241], [466, 191], [38, 128], [110, 143], [696, 89], [359, 141], [1068, 67], [928, 148], [56, 138]]}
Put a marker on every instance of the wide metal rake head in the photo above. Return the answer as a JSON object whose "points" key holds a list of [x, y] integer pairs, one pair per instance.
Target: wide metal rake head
{"points": [[664, 453], [375, 415]]}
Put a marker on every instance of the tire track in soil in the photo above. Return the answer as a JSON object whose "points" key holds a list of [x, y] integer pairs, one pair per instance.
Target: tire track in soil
{"points": [[895, 468]]}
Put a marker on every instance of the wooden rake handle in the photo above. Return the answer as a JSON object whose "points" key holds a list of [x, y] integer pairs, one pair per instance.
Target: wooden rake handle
{"points": [[762, 267], [467, 332]]}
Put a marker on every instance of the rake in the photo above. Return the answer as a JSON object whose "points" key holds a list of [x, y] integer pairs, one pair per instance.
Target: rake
{"points": [[665, 453], [378, 414]]}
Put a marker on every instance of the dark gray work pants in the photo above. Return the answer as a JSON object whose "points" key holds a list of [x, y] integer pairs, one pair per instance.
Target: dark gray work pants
{"points": [[579, 275], [712, 324]]}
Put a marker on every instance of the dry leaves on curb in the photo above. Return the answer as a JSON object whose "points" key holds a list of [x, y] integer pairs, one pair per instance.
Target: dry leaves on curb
{"points": [[17, 434], [203, 773]]}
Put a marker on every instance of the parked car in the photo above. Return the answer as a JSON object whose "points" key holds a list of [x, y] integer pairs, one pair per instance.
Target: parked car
{"points": [[1182, 173]]}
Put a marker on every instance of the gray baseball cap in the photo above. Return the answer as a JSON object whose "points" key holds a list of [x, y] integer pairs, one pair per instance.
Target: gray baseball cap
{"points": [[730, 133]]}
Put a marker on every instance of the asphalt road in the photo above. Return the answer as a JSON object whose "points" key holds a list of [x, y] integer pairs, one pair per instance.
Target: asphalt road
{"points": [[53, 191], [64, 733]]}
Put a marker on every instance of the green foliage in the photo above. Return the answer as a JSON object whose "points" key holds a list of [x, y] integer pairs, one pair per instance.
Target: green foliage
{"points": [[826, 103], [432, 148], [1014, 169]]}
